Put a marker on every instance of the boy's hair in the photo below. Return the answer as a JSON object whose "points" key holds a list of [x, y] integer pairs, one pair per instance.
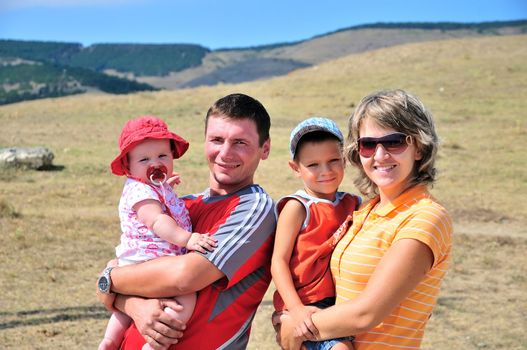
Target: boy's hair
{"points": [[402, 112], [317, 136], [311, 125], [240, 106]]}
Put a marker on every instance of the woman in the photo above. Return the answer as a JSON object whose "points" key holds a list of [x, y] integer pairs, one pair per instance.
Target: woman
{"points": [[390, 261]]}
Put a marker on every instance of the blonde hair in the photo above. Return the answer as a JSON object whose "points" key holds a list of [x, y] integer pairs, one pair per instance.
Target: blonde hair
{"points": [[403, 112]]}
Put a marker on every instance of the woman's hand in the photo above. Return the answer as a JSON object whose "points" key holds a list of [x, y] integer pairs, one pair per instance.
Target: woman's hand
{"points": [[158, 327], [285, 332], [301, 318]]}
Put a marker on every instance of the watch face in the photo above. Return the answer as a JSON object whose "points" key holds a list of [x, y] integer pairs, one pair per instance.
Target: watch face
{"points": [[103, 284]]}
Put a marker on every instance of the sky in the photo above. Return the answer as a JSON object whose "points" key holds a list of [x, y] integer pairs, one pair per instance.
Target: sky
{"points": [[227, 23]]}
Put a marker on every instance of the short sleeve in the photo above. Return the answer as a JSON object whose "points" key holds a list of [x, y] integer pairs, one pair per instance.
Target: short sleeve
{"points": [[245, 237], [135, 192], [431, 225]]}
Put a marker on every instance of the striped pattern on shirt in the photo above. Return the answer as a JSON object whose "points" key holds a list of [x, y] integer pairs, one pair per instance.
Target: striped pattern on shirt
{"points": [[414, 214], [243, 223]]}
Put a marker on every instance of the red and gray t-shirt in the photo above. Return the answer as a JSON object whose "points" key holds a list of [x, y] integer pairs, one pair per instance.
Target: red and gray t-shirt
{"points": [[243, 223]]}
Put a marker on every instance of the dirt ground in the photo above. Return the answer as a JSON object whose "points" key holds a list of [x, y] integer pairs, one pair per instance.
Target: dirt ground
{"points": [[483, 304]]}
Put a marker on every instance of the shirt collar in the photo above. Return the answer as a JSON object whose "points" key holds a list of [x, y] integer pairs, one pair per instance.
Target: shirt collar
{"points": [[412, 194]]}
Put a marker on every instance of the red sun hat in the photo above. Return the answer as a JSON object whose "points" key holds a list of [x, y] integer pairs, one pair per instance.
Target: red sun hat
{"points": [[139, 129]]}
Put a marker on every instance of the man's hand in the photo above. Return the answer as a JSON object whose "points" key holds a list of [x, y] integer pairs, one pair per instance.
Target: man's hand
{"points": [[158, 327]]}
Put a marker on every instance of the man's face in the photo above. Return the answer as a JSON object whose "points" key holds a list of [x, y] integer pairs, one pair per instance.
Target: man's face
{"points": [[233, 152]]}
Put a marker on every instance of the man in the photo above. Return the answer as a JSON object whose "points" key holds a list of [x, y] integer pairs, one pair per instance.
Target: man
{"points": [[231, 280]]}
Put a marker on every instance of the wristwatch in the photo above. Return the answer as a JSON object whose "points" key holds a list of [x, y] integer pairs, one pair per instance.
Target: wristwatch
{"points": [[105, 282]]}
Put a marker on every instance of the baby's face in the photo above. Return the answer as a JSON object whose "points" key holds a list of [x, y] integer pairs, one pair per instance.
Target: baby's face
{"points": [[151, 158]]}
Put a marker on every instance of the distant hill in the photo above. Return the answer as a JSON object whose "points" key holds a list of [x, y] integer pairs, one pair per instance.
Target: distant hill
{"points": [[233, 65], [35, 69], [28, 80], [137, 59]]}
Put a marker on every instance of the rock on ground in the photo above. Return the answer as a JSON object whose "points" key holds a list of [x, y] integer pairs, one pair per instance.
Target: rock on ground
{"points": [[29, 158]]}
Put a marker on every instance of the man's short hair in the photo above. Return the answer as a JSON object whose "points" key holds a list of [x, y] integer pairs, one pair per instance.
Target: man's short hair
{"points": [[240, 106]]}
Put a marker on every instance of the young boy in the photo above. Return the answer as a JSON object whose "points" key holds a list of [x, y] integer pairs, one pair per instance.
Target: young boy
{"points": [[307, 220]]}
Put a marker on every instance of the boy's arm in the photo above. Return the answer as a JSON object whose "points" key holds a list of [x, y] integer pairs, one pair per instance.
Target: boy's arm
{"points": [[150, 213], [290, 224]]}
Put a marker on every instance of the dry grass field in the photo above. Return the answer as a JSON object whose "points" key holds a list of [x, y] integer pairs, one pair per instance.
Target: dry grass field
{"points": [[59, 227]]}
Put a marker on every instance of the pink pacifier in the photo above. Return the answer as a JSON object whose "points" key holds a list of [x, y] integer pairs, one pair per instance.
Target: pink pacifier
{"points": [[157, 174]]}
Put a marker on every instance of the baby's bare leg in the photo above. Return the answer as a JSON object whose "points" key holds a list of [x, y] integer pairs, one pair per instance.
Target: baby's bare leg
{"points": [[188, 301], [114, 334]]}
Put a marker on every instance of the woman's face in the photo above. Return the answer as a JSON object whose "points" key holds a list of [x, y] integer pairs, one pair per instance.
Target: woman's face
{"points": [[391, 172]]}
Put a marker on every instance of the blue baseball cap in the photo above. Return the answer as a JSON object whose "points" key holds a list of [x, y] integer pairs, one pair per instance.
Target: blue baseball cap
{"points": [[310, 125]]}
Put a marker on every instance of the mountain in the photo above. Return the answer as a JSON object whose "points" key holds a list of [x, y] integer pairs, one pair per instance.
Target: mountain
{"points": [[474, 87], [137, 59], [23, 80], [247, 64], [36, 69], [33, 69]]}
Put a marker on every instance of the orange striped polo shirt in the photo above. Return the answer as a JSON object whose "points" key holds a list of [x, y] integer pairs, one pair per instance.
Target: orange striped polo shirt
{"points": [[414, 214]]}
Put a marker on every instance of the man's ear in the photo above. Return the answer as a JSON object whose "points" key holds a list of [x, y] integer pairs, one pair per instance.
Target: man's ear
{"points": [[266, 149], [294, 166]]}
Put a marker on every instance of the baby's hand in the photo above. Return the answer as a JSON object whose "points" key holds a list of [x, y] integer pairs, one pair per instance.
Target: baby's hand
{"points": [[201, 242], [174, 180]]}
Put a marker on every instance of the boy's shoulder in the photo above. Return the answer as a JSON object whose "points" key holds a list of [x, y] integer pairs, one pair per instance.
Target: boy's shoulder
{"points": [[341, 198], [350, 196]]}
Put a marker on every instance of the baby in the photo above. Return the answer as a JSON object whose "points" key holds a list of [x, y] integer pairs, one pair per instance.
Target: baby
{"points": [[154, 221]]}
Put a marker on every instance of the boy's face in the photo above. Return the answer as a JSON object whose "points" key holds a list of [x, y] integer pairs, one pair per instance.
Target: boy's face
{"points": [[150, 152], [321, 168]]}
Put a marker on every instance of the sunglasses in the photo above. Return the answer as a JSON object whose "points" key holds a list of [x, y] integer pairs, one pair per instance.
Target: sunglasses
{"points": [[393, 143]]}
